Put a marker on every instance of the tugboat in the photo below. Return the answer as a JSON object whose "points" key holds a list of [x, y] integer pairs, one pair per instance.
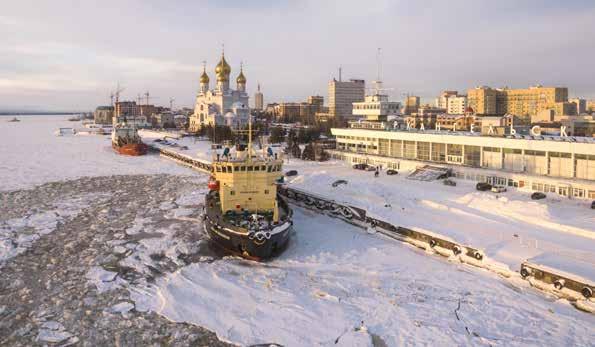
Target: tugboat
{"points": [[244, 214], [125, 140], [14, 119]]}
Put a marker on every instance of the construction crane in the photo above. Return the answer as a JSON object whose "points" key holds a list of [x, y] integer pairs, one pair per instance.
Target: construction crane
{"points": [[148, 97]]}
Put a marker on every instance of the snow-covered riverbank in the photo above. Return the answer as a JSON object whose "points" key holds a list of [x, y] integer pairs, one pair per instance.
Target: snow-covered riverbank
{"points": [[332, 277]]}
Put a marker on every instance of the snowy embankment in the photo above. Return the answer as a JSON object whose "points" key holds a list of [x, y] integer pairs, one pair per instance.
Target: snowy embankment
{"points": [[335, 276], [31, 155], [509, 227]]}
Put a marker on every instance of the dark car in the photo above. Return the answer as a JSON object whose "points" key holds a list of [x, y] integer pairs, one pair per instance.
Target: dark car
{"points": [[338, 182], [593, 205], [392, 172], [483, 186], [157, 140], [448, 182], [291, 173], [537, 196], [360, 166], [370, 168]]}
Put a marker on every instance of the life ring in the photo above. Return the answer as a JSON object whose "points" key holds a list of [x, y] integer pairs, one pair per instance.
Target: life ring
{"points": [[309, 201], [525, 273], [321, 204], [559, 284], [372, 224], [478, 256], [267, 235], [587, 292], [456, 250], [346, 212], [335, 209], [433, 243]]}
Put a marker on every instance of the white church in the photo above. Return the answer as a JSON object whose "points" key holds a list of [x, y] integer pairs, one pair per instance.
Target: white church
{"points": [[221, 105]]}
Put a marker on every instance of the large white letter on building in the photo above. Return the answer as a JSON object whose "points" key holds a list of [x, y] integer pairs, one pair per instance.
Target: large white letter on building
{"points": [[512, 131], [536, 130], [563, 131]]}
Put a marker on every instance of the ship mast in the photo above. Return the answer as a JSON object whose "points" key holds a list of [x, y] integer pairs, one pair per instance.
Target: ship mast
{"points": [[249, 138]]}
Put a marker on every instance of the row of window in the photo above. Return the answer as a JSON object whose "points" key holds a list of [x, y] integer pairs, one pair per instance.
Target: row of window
{"points": [[248, 168]]}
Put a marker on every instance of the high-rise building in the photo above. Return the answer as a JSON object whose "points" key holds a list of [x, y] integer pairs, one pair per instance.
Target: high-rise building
{"points": [[442, 100], [488, 101], [316, 100], [482, 100], [342, 95], [456, 104], [452, 102], [411, 104], [581, 105], [258, 99]]}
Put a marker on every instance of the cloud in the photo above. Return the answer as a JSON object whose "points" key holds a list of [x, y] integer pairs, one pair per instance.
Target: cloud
{"points": [[292, 47]]}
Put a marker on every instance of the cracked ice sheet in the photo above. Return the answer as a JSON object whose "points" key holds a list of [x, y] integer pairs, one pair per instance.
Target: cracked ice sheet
{"points": [[19, 234], [333, 276]]}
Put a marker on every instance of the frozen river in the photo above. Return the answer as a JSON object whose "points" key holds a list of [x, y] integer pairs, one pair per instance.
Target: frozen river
{"points": [[334, 285]]}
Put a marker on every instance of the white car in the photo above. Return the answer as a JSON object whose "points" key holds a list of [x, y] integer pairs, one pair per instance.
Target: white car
{"points": [[498, 189]]}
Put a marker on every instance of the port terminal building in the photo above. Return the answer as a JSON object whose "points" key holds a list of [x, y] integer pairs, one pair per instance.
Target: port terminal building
{"points": [[562, 165]]}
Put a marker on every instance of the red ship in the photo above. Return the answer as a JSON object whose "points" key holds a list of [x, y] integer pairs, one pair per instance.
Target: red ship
{"points": [[125, 140]]}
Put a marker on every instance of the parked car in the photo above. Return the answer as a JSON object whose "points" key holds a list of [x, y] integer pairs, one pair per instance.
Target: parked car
{"points": [[184, 148], [498, 189], [392, 172], [291, 173], [593, 205], [370, 168], [338, 183], [360, 166], [537, 196], [448, 182], [157, 140], [483, 186]]}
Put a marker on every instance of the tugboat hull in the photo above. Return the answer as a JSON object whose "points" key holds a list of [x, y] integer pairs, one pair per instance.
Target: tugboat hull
{"points": [[259, 245], [134, 149], [242, 245]]}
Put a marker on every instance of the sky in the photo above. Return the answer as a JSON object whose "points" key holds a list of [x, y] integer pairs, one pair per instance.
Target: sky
{"points": [[69, 55]]}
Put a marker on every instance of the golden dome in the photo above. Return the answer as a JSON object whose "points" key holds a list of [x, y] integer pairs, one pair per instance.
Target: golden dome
{"points": [[222, 69], [241, 78], [204, 78]]}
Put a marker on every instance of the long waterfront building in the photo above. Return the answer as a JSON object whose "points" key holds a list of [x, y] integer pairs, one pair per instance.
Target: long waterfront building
{"points": [[560, 165]]}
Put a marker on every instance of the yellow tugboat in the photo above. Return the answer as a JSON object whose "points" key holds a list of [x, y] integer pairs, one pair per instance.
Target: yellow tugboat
{"points": [[244, 214]]}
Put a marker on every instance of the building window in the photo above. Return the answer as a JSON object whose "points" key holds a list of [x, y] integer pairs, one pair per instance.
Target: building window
{"points": [[578, 193], [266, 191], [423, 151]]}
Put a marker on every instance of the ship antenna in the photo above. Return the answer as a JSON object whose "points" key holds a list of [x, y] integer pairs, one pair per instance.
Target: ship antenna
{"points": [[249, 137]]}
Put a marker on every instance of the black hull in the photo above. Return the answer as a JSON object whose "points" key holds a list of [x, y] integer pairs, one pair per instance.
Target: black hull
{"points": [[243, 246], [240, 241]]}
